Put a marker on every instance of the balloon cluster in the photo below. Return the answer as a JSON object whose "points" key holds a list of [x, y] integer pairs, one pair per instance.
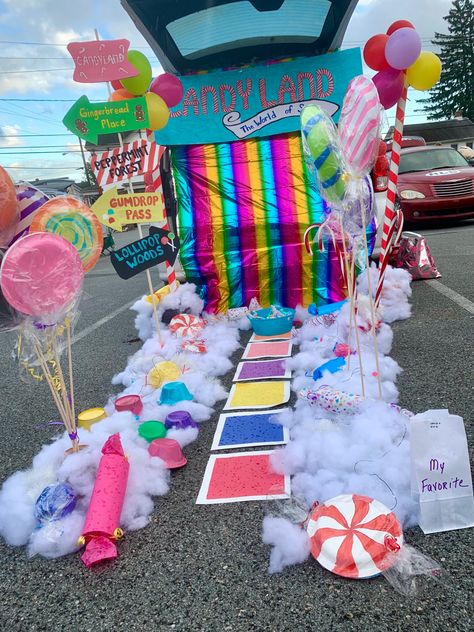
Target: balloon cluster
{"points": [[343, 157], [161, 93], [399, 60]]}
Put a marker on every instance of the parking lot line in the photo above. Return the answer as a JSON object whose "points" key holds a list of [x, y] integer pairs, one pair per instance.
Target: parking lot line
{"points": [[459, 299], [88, 330]]}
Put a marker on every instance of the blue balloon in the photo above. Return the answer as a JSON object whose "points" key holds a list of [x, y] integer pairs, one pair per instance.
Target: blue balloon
{"points": [[55, 502]]}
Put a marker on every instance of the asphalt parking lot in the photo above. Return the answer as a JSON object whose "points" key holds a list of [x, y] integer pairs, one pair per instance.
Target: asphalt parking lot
{"points": [[204, 567]]}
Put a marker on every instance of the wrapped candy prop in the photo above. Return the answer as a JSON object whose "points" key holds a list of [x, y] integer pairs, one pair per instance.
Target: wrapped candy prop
{"points": [[347, 535], [101, 528], [69, 218], [41, 276], [9, 210], [54, 503], [332, 400]]}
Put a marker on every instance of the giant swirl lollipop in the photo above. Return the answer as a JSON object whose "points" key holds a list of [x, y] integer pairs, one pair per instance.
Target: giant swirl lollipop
{"points": [[70, 218], [41, 276]]}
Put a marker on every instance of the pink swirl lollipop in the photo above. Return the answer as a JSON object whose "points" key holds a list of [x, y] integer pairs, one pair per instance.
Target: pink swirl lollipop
{"points": [[359, 125], [41, 274]]}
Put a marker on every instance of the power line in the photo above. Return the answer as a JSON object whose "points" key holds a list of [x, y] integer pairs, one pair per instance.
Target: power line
{"points": [[31, 135], [70, 168], [39, 153], [41, 100], [18, 72]]}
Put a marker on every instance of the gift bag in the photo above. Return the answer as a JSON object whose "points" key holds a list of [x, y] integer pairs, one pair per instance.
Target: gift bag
{"points": [[440, 471], [414, 255]]}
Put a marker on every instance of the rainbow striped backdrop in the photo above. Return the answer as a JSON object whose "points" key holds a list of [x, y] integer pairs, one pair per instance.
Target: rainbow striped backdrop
{"points": [[243, 210]]}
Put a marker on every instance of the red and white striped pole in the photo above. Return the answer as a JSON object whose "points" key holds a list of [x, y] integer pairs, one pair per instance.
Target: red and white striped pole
{"points": [[390, 216]]}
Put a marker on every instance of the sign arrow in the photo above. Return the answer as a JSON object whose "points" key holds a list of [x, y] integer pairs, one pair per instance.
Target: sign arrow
{"points": [[115, 209], [87, 120]]}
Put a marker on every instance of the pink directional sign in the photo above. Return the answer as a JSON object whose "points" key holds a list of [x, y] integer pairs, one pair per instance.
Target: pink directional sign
{"points": [[101, 60]]}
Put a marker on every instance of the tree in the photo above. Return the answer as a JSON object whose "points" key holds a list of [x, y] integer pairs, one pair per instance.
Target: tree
{"points": [[455, 90]]}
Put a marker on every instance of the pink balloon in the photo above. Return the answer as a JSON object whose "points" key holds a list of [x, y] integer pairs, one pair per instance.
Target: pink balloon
{"points": [[169, 88], [389, 84], [41, 274], [403, 48]]}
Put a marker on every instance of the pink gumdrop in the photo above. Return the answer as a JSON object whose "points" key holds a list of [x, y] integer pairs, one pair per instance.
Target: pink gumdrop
{"points": [[169, 88]]}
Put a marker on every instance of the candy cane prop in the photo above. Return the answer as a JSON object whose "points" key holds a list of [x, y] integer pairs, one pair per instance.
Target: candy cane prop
{"points": [[390, 213]]}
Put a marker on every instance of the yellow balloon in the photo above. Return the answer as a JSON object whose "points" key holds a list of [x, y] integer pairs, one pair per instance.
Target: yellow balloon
{"points": [[158, 111], [425, 72]]}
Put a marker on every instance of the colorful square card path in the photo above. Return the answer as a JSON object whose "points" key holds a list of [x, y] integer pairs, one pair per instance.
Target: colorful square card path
{"points": [[257, 338], [249, 429], [257, 395], [231, 478], [261, 370], [256, 350]]}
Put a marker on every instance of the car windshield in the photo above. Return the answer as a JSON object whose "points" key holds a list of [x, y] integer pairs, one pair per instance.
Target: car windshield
{"points": [[429, 160]]}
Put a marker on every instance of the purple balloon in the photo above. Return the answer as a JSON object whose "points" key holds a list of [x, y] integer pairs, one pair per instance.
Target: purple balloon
{"points": [[169, 88], [403, 48], [389, 84]]}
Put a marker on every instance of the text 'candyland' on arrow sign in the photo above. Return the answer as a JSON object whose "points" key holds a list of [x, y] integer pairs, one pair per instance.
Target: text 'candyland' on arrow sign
{"points": [[160, 245], [117, 209], [88, 120]]}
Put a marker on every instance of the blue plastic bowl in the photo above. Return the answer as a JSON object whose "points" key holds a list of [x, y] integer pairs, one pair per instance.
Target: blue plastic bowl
{"points": [[272, 326]]}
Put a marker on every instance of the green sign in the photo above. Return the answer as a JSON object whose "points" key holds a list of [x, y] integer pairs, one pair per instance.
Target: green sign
{"points": [[88, 120]]}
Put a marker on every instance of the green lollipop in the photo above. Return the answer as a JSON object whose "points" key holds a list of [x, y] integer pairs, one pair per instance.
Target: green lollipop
{"points": [[320, 135]]}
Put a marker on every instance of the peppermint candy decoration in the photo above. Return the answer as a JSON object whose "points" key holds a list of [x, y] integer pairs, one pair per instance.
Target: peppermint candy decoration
{"points": [[354, 536], [186, 325], [196, 346]]}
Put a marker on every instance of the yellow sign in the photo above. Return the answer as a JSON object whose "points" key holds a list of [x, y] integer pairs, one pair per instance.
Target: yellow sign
{"points": [[117, 209]]}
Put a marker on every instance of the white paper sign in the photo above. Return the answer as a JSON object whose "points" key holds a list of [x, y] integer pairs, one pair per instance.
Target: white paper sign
{"points": [[440, 471]]}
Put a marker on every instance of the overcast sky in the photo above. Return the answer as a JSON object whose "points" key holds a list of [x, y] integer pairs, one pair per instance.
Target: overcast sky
{"points": [[41, 68]]}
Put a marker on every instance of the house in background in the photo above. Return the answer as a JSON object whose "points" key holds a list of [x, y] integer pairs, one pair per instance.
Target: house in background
{"points": [[456, 132], [53, 187]]}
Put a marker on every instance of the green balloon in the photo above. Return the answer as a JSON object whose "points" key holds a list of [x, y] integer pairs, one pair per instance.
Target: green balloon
{"points": [[139, 84]]}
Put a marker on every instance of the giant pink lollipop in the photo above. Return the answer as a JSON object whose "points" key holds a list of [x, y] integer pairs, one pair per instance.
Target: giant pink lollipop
{"points": [[41, 274], [359, 125]]}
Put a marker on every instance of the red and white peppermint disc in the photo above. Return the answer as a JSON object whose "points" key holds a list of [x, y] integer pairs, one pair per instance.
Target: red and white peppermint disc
{"points": [[186, 325], [196, 346], [348, 535]]}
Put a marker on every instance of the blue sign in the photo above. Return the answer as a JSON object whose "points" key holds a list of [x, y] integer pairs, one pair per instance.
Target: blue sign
{"points": [[262, 100]]}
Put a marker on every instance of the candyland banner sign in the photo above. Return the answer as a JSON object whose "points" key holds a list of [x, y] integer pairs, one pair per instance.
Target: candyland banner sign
{"points": [[260, 100]]}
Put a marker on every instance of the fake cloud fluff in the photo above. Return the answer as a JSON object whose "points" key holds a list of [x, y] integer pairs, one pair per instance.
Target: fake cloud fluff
{"points": [[289, 541], [331, 453], [148, 476], [183, 299]]}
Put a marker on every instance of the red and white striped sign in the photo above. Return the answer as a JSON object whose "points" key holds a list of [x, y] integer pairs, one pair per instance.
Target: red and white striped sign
{"points": [[126, 162], [348, 535]]}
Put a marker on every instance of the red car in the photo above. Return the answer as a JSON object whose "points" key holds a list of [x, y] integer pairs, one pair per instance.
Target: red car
{"points": [[435, 182]]}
